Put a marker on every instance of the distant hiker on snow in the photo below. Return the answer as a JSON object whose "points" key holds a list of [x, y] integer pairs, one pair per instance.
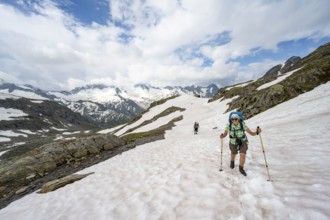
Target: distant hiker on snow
{"points": [[238, 140], [196, 126]]}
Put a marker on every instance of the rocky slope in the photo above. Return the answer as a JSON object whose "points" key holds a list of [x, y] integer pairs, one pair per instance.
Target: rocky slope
{"points": [[26, 171], [19, 173], [39, 121]]}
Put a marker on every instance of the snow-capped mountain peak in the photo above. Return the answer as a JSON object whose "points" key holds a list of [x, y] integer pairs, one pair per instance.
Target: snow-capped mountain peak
{"points": [[106, 104]]}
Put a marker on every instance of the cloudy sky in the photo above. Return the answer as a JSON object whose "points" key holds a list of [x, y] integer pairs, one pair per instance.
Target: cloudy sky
{"points": [[58, 45]]}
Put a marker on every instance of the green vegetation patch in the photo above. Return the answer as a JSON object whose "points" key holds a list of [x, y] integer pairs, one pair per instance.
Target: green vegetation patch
{"points": [[155, 132], [153, 104], [162, 101], [162, 114]]}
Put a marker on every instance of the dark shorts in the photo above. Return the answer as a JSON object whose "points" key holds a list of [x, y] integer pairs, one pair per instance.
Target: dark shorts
{"points": [[235, 148]]}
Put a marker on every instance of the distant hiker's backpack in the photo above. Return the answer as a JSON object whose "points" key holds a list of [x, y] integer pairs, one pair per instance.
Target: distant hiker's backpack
{"points": [[241, 119], [196, 125]]}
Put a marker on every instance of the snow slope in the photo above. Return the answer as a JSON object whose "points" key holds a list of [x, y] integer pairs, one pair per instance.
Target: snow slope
{"points": [[10, 114], [179, 178], [278, 80]]}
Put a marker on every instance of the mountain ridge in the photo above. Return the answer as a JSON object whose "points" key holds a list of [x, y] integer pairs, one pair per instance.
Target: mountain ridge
{"points": [[107, 105]]}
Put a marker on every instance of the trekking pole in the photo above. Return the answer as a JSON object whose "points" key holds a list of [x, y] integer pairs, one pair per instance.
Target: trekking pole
{"points": [[263, 150], [221, 154]]}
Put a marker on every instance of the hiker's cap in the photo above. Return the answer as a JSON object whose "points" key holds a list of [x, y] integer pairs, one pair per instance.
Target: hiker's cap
{"points": [[234, 116]]}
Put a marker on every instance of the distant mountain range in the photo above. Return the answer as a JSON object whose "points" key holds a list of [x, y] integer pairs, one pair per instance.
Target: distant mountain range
{"points": [[106, 105]]}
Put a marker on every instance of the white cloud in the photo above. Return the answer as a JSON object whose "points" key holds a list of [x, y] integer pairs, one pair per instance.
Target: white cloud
{"points": [[50, 49]]}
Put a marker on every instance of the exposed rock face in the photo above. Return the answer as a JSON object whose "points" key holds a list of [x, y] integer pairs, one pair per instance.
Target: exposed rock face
{"points": [[273, 72], [43, 115], [289, 63], [42, 122], [312, 71], [280, 69]]}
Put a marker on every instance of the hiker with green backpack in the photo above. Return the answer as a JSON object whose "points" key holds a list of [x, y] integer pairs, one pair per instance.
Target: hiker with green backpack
{"points": [[238, 140]]}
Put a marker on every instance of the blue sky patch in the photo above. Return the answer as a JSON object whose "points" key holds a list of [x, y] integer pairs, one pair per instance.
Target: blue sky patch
{"points": [[187, 53], [87, 11], [286, 49], [219, 39]]}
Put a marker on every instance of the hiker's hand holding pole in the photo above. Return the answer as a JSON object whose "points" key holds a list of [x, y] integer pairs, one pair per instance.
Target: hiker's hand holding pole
{"points": [[258, 131], [223, 135]]}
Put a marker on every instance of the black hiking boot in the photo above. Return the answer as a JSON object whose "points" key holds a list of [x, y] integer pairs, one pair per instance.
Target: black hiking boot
{"points": [[242, 171], [232, 164]]}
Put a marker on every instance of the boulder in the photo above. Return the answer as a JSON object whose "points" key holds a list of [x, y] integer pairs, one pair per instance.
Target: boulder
{"points": [[58, 183]]}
